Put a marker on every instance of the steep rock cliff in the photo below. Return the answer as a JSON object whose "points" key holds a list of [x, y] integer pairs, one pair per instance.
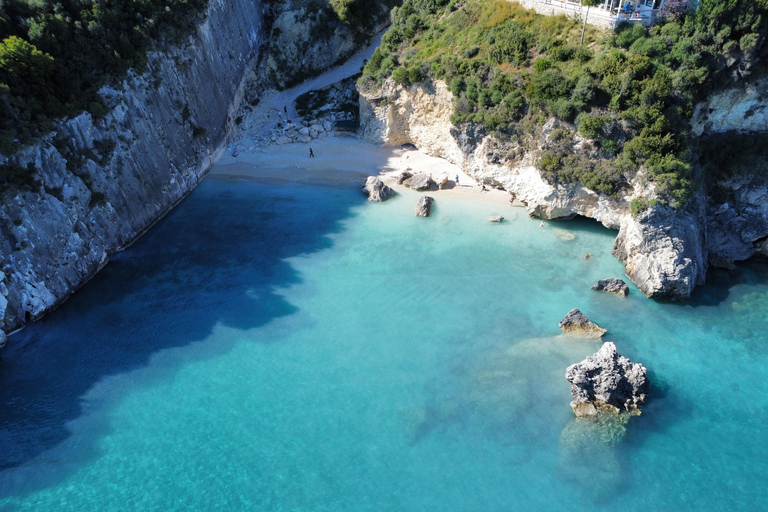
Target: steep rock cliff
{"points": [[167, 126], [663, 251]]}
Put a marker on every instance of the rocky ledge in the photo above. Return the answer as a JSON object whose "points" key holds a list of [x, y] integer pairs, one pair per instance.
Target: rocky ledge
{"points": [[576, 322], [612, 285], [607, 383]]}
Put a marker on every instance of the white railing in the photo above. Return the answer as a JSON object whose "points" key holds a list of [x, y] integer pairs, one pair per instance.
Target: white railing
{"points": [[605, 16]]}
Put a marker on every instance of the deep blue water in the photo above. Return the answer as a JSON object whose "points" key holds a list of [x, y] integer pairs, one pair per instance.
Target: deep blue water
{"points": [[284, 346]]}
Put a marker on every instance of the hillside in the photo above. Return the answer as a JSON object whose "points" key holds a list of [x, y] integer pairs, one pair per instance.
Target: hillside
{"points": [[630, 93]]}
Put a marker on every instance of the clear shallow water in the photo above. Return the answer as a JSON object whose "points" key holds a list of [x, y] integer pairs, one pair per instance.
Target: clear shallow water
{"points": [[275, 346]]}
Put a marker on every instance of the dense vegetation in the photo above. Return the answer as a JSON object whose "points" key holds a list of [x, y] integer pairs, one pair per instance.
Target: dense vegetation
{"points": [[55, 55], [631, 91]]}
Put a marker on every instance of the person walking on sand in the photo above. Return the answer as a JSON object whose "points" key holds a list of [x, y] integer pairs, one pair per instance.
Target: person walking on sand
{"points": [[457, 179], [311, 154], [285, 108]]}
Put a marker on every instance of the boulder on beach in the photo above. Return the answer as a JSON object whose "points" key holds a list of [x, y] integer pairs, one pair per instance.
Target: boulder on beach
{"points": [[607, 383], [421, 181], [403, 176], [612, 285], [576, 322], [424, 206], [376, 189], [497, 218]]}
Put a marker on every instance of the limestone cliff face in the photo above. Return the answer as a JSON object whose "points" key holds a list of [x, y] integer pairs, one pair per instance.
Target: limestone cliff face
{"points": [[168, 125], [664, 251], [741, 108], [737, 226]]}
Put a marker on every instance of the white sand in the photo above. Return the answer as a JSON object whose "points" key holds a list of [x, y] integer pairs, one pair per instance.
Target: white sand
{"points": [[338, 156]]}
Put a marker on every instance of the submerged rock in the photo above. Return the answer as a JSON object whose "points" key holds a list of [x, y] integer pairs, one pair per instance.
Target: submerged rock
{"points": [[612, 285], [421, 181], [607, 383], [424, 206], [576, 322], [497, 218], [376, 189]]}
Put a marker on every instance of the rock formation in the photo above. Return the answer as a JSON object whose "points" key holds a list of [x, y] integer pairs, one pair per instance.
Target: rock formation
{"points": [[421, 181], [497, 218], [403, 176], [607, 383], [576, 322], [612, 285], [666, 252], [167, 126], [424, 206], [376, 189]]}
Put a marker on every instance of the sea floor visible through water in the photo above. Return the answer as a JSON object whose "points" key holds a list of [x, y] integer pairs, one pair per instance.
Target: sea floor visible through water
{"points": [[274, 345]]}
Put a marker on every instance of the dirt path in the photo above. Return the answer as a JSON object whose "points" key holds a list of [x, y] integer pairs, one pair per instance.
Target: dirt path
{"points": [[270, 109]]}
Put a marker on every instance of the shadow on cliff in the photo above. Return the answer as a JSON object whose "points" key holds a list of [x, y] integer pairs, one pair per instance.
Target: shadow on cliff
{"points": [[217, 259]]}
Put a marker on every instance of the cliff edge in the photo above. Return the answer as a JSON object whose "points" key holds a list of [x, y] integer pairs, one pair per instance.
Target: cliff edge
{"points": [[666, 252], [100, 183]]}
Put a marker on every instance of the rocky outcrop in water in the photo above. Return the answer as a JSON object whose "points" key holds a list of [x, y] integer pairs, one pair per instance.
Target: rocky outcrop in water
{"points": [[607, 383], [666, 252], [376, 189], [576, 322], [103, 182], [424, 206], [612, 285]]}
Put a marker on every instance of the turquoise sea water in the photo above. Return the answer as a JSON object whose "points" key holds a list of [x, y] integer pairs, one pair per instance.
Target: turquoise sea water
{"points": [[292, 347]]}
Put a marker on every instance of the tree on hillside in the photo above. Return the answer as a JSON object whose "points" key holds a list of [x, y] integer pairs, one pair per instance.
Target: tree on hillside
{"points": [[588, 3]]}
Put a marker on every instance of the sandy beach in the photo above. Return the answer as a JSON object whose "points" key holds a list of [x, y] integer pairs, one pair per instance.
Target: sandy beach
{"points": [[344, 158]]}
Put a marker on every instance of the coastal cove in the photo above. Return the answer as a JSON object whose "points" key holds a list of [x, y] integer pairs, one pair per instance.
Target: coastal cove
{"points": [[277, 342]]}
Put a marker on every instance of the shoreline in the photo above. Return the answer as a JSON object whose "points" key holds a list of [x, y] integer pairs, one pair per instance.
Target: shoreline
{"points": [[342, 157]]}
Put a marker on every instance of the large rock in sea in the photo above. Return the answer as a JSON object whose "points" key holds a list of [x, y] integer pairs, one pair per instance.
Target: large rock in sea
{"points": [[3, 339], [576, 322], [612, 285], [424, 206], [376, 189], [607, 383], [421, 181]]}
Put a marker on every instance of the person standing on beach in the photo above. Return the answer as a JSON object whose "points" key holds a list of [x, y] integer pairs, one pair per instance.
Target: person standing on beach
{"points": [[311, 154], [457, 179], [285, 108]]}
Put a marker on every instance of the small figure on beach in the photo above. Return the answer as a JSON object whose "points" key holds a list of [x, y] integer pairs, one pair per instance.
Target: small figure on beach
{"points": [[512, 200], [457, 179], [285, 108], [483, 189], [311, 153]]}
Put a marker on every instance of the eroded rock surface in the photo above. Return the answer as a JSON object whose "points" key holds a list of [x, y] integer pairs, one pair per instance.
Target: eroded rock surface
{"points": [[164, 130], [421, 181], [576, 322], [607, 383], [612, 285], [376, 190], [665, 251], [424, 206]]}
